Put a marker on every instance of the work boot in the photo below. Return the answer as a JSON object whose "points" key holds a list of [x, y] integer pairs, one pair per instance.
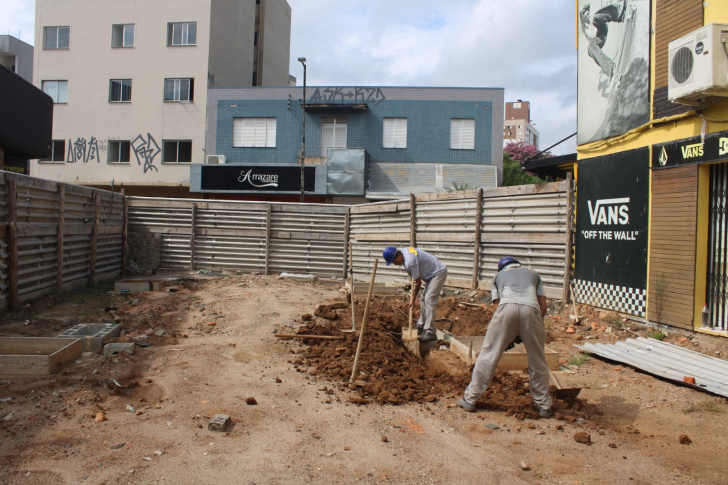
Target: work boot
{"points": [[466, 405], [420, 330], [544, 413], [428, 337]]}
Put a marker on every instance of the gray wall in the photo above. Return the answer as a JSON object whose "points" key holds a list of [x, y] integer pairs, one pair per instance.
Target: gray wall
{"points": [[275, 42], [15, 52], [232, 28]]}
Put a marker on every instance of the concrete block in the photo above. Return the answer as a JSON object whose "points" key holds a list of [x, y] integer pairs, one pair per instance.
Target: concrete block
{"points": [[92, 335], [132, 286], [219, 422], [111, 349], [298, 277]]}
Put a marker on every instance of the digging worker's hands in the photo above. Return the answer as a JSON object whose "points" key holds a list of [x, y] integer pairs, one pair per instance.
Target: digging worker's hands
{"points": [[415, 292]]}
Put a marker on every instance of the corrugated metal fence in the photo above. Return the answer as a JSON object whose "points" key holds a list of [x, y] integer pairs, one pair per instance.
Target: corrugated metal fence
{"points": [[257, 237], [55, 237], [529, 222]]}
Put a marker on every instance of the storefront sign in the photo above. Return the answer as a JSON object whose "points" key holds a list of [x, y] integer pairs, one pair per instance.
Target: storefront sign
{"points": [[612, 219], [691, 150], [257, 178]]}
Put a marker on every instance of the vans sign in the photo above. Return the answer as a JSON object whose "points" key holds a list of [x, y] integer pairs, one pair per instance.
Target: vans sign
{"points": [[691, 150]]}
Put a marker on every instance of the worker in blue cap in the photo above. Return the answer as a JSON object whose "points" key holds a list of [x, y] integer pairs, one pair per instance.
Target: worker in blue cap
{"points": [[421, 266], [520, 306]]}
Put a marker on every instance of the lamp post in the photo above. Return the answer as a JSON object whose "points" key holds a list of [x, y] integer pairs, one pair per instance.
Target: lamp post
{"points": [[302, 60]]}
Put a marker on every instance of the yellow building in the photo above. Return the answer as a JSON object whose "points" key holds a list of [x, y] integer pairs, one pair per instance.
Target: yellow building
{"points": [[652, 170]]}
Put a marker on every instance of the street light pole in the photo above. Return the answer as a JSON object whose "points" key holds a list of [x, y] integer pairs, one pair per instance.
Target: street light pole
{"points": [[302, 60]]}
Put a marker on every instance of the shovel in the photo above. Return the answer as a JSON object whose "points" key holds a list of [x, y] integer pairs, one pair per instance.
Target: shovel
{"points": [[560, 392], [409, 334]]}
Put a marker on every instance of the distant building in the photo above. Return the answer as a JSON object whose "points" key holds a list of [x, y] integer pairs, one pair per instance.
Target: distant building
{"points": [[517, 125], [17, 56], [363, 143], [129, 81]]}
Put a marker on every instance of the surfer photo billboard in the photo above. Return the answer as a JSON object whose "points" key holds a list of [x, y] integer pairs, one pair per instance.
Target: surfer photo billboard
{"points": [[611, 239], [613, 67]]}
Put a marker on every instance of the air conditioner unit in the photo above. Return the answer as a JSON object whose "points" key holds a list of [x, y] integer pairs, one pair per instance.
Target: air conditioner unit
{"points": [[698, 65], [216, 159]]}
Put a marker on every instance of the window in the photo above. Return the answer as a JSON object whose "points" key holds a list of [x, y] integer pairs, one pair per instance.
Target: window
{"points": [[395, 133], [119, 151], [120, 90], [254, 132], [181, 33], [516, 105], [122, 35], [462, 134], [58, 152], [58, 90], [176, 151], [56, 37], [333, 133], [181, 90]]}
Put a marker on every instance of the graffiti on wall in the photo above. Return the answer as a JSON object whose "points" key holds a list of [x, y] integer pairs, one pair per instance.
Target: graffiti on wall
{"points": [[83, 150], [145, 149], [351, 95]]}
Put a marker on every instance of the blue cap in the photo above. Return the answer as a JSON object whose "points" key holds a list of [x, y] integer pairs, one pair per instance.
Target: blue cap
{"points": [[389, 253], [506, 261]]}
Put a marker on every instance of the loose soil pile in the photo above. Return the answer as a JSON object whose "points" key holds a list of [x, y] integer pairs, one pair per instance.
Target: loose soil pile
{"points": [[394, 375]]}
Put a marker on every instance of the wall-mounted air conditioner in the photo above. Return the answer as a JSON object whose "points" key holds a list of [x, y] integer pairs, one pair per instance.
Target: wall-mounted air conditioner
{"points": [[698, 65], [216, 159]]}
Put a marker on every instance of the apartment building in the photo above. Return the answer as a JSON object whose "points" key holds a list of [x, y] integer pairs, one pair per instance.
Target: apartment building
{"points": [[517, 125], [17, 56], [129, 81]]}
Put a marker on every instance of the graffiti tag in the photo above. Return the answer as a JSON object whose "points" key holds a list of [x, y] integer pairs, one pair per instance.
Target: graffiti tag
{"points": [[82, 150], [145, 150], [348, 95]]}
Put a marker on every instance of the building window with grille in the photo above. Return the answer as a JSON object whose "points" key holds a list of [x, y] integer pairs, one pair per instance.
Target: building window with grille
{"points": [[179, 90], [333, 133], [181, 33], [394, 133], [176, 151], [462, 134], [254, 132], [119, 151], [58, 152], [56, 37], [122, 35], [120, 90]]}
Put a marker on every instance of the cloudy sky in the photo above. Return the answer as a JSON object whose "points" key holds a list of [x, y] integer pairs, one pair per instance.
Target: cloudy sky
{"points": [[525, 46]]}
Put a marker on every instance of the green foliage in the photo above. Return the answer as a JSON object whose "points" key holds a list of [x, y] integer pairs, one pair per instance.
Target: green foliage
{"points": [[613, 321], [513, 175], [657, 335], [577, 359], [708, 406]]}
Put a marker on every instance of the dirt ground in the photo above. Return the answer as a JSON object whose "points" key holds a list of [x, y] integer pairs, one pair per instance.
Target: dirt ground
{"points": [[212, 346]]}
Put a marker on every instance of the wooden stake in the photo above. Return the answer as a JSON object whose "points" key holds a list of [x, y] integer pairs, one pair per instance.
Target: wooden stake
{"points": [[413, 221], [193, 219], [569, 236], [13, 242], [61, 228], [318, 337], [351, 279], [573, 300], [352, 384], [478, 218], [95, 238]]}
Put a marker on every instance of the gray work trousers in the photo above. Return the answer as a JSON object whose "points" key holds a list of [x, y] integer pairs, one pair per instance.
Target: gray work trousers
{"points": [[512, 319], [428, 302]]}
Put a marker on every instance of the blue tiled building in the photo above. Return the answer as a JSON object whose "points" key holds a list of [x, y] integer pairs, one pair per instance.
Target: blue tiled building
{"points": [[408, 139]]}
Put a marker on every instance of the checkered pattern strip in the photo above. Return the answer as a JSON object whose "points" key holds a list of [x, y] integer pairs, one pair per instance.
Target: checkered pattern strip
{"points": [[617, 298]]}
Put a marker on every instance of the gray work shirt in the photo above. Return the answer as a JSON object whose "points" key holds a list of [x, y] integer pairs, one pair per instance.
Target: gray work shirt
{"points": [[517, 285], [420, 264]]}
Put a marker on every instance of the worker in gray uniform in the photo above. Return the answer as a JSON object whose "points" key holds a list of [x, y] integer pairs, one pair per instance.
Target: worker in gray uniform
{"points": [[421, 266], [520, 306]]}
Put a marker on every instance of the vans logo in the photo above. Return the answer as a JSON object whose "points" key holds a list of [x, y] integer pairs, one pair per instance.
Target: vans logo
{"points": [[692, 151], [609, 211]]}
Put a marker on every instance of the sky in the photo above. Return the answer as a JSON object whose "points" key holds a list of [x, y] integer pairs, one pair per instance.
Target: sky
{"points": [[527, 47]]}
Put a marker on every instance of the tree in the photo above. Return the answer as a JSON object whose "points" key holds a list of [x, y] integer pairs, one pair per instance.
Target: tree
{"points": [[514, 175], [520, 152]]}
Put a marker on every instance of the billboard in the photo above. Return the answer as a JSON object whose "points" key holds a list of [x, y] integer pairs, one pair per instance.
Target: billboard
{"points": [[257, 178], [613, 67], [611, 240]]}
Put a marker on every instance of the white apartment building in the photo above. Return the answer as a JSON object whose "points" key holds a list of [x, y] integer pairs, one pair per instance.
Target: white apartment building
{"points": [[130, 79], [517, 125]]}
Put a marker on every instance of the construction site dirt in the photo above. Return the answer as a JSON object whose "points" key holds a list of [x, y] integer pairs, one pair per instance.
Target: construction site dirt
{"points": [[207, 345]]}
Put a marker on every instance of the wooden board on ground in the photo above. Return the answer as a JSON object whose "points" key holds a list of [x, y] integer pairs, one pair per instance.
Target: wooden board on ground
{"points": [[37, 356], [468, 348], [361, 288]]}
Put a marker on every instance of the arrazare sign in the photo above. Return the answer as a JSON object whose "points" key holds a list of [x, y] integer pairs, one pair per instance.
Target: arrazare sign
{"points": [[257, 178]]}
